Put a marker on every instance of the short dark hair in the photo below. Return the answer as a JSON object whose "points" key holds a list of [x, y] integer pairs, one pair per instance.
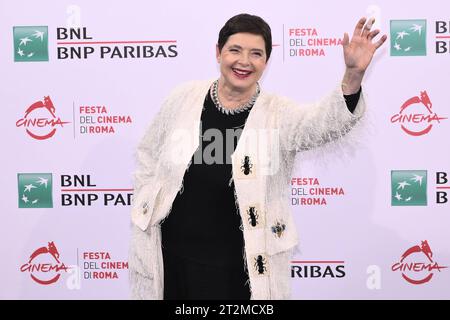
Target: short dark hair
{"points": [[246, 23]]}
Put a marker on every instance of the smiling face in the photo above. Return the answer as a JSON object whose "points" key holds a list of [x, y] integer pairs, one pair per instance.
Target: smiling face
{"points": [[242, 62]]}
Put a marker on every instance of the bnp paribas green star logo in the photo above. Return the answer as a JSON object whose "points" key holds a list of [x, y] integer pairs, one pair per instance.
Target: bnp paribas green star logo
{"points": [[409, 187], [408, 37], [30, 43], [35, 190]]}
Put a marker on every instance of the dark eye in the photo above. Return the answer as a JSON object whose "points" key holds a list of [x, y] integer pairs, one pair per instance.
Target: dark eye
{"points": [[257, 53]]}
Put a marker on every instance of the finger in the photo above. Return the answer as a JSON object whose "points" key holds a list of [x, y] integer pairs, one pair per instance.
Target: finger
{"points": [[346, 40], [359, 27], [380, 42], [373, 34], [367, 27]]}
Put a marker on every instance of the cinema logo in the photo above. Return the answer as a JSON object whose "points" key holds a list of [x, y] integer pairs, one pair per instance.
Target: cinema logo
{"points": [[308, 192], [317, 269], [417, 265], [40, 120], [44, 265], [309, 42], [416, 117], [100, 266], [78, 44], [100, 120]]}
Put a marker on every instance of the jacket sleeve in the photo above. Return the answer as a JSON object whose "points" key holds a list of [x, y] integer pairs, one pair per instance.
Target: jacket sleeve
{"points": [[148, 152], [303, 127]]}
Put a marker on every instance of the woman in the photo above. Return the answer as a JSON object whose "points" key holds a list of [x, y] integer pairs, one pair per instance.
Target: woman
{"points": [[211, 219]]}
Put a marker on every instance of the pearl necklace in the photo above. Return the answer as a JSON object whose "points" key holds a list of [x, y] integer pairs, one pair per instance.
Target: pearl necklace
{"points": [[215, 98]]}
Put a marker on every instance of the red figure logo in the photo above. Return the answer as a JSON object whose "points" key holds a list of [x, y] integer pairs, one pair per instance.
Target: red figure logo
{"points": [[42, 127], [50, 249], [407, 117], [410, 268], [44, 266]]}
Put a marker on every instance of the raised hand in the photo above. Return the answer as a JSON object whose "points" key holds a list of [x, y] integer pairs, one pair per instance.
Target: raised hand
{"points": [[358, 53]]}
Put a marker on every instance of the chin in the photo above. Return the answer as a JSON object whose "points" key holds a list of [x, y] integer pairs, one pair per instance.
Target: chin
{"points": [[242, 83]]}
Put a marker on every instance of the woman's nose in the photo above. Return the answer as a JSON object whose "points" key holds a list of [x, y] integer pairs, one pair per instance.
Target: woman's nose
{"points": [[244, 59]]}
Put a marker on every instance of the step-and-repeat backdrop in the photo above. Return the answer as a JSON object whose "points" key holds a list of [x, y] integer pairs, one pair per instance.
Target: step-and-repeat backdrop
{"points": [[82, 80]]}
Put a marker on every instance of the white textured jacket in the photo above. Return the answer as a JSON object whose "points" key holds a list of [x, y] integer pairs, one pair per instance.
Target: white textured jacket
{"points": [[275, 130]]}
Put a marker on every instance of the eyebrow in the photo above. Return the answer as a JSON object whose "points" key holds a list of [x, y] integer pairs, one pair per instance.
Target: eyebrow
{"points": [[236, 46]]}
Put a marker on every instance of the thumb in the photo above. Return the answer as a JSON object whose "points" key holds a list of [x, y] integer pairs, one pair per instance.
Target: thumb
{"points": [[345, 41]]}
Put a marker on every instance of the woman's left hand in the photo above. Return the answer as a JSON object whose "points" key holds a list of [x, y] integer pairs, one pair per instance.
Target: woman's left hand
{"points": [[359, 51]]}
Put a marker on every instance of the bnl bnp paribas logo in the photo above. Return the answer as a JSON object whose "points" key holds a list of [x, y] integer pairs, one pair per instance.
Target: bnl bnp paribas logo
{"points": [[408, 37], [35, 190], [409, 187], [30, 43]]}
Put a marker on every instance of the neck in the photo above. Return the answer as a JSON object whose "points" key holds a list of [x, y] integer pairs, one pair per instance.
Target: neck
{"points": [[231, 98]]}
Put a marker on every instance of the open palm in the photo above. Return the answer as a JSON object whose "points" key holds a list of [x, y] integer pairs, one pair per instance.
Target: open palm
{"points": [[359, 51]]}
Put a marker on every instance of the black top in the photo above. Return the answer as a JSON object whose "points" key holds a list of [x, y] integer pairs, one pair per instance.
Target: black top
{"points": [[204, 223]]}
